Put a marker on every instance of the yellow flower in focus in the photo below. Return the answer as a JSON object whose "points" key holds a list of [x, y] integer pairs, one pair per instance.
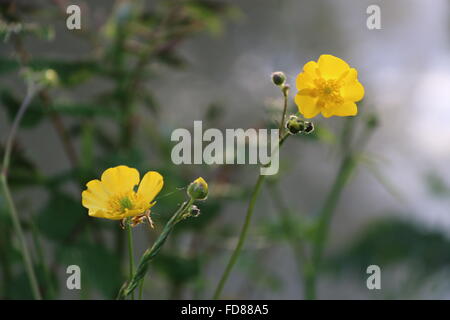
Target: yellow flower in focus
{"points": [[328, 86], [114, 196]]}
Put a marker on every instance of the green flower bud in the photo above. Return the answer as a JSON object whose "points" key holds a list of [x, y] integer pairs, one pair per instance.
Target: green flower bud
{"points": [[278, 78], [295, 125], [50, 77], [198, 190], [194, 211], [309, 127]]}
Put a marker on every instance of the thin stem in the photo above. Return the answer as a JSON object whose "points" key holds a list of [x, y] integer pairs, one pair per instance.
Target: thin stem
{"points": [[244, 230], [130, 252], [283, 117], [50, 292], [242, 237], [31, 90], [23, 245], [346, 169], [12, 134], [141, 289], [149, 254]]}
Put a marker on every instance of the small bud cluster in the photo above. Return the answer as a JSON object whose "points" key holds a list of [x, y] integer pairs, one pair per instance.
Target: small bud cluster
{"points": [[296, 125]]}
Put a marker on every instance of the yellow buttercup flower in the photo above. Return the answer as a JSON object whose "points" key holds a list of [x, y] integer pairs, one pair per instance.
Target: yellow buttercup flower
{"points": [[328, 86], [114, 196]]}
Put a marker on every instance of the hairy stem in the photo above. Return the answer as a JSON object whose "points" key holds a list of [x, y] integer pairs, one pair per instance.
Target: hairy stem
{"points": [[149, 254]]}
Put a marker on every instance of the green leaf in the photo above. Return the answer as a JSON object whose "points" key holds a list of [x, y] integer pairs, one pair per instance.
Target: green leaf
{"points": [[100, 268], [60, 216], [177, 268], [391, 241]]}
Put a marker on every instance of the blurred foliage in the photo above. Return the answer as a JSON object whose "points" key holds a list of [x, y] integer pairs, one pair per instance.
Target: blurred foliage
{"points": [[122, 54], [390, 242], [103, 129]]}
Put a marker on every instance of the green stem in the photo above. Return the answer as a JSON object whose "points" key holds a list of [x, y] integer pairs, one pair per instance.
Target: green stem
{"points": [[346, 169], [141, 289], [283, 117], [23, 245], [31, 90], [242, 237], [149, 254], [244, 230], [130, 253], [15, 126], [41, 260]]}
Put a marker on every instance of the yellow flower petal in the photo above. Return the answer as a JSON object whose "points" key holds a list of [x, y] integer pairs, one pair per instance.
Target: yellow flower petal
{"points": [[120, 179], [150, 186], [353, 91], [343, 110], [332, 67], [304, 81], [97, 213], [95, 196], [311, 69], [307, 106]]}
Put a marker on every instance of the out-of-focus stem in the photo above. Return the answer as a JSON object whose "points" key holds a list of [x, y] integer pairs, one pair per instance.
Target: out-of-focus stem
{"points": [[244, 230], [31, 90], [347, 167], [242, 237], [345, 171], [49, 292]]}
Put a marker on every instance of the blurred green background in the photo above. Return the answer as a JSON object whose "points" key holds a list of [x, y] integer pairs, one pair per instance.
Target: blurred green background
{"points": [[137, 70]]}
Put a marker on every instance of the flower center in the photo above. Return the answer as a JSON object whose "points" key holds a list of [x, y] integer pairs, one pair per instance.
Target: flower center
{"points": [[328, 91], [122, 202], [125, 203]]}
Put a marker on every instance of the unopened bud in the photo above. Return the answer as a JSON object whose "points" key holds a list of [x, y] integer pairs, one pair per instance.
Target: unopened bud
{"points": [[194, 211], [309, 127], [198, 190], [278, 78], [50, 78], [295, 125]]}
